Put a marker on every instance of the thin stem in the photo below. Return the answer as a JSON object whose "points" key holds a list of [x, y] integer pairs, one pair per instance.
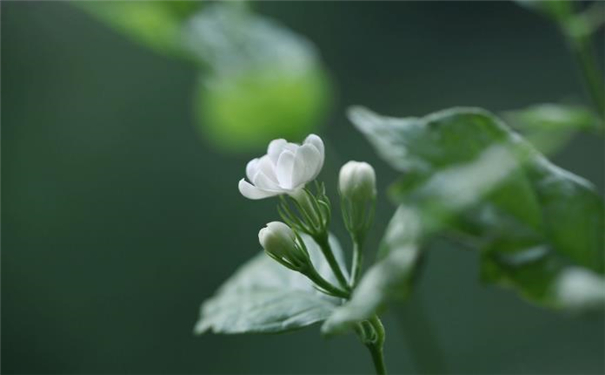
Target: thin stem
{"points": [[326, 285], [324, 245], [357, 262], [376, 346], [583, 50], [593, 78], [378, 359]]}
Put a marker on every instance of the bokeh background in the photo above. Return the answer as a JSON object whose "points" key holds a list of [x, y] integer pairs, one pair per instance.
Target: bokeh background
{"points": [[118, 218]]}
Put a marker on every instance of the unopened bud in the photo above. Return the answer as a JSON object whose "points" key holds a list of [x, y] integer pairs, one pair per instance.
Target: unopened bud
{"points": [[281, 243], [357, 181], [357, 186]]}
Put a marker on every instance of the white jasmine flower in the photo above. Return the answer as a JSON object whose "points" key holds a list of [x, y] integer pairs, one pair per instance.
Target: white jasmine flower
{"points": [[285, 169]]}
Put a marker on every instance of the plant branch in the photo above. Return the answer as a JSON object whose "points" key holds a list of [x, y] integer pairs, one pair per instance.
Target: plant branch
{"points": [[324, 245], [314, 276], [375, 346], [583, 51], [580, 43], [357, 262]]}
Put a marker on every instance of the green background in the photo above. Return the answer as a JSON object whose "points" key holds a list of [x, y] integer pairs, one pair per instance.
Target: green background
{"points": [[118, 219]]}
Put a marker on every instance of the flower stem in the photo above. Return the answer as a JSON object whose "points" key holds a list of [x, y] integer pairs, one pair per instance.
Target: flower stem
{"points": [[376, 346], [378, 359], [314, 276], [357, 262], [584, 53], [324, 245], [582, 48]]}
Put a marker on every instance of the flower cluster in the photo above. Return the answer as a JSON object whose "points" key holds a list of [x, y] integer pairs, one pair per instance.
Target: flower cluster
{"points": [[285, 171]]}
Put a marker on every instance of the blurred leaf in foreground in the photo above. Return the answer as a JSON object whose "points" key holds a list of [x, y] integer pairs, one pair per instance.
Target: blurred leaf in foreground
{"points": [[155, 24], [559, 10], [549, 127], [262, 80], [258, 80], [539, 229]]}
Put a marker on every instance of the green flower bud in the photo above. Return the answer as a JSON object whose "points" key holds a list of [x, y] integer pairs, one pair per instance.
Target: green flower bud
{"points": [[357, 181], [282, 244], [357, 187]]}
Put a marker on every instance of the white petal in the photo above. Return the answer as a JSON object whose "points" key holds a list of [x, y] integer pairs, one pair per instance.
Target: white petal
{"points": [[307, 160], [251, 192], [299, 172], [317, 142], [252, 168], [291, 147], [285, 167], [261, 181], [266, 166], [275, 148], [319, 145]]}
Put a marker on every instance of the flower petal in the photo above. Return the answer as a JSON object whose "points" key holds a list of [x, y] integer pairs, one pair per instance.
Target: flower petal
{"points": [[314, 140], [252, 168], [291, 147], [266, 166], [252, 192], [263, 182], [275, 148], [306, 163], [285, 168]]}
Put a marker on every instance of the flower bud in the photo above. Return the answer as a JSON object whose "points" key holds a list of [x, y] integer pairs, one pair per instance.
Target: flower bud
{"points": [[357, 181], [281, 243], [357, 186]]}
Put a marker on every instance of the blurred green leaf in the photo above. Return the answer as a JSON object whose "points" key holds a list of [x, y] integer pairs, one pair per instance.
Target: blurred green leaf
{"points": [[426, 208], [155, 24], [534, 223], [559, 10], [574, 21], [245, 112], [265, 297], [259, 80], [550, 126], [262, 80]]}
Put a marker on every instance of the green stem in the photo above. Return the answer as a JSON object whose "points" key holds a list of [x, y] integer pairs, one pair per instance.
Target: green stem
{"points": [[376, 346], [357, 262], [420, 337], [314, 276], [583, 50], [378, 359], [324, 245]]}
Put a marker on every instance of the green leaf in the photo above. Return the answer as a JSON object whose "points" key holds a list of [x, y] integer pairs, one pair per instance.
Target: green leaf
{"points": [[467, 173], [259, 80], [265, 297], [155, 24], [428, 207], [262, 80], [559, 206], [549, 127], [558, 10]]}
